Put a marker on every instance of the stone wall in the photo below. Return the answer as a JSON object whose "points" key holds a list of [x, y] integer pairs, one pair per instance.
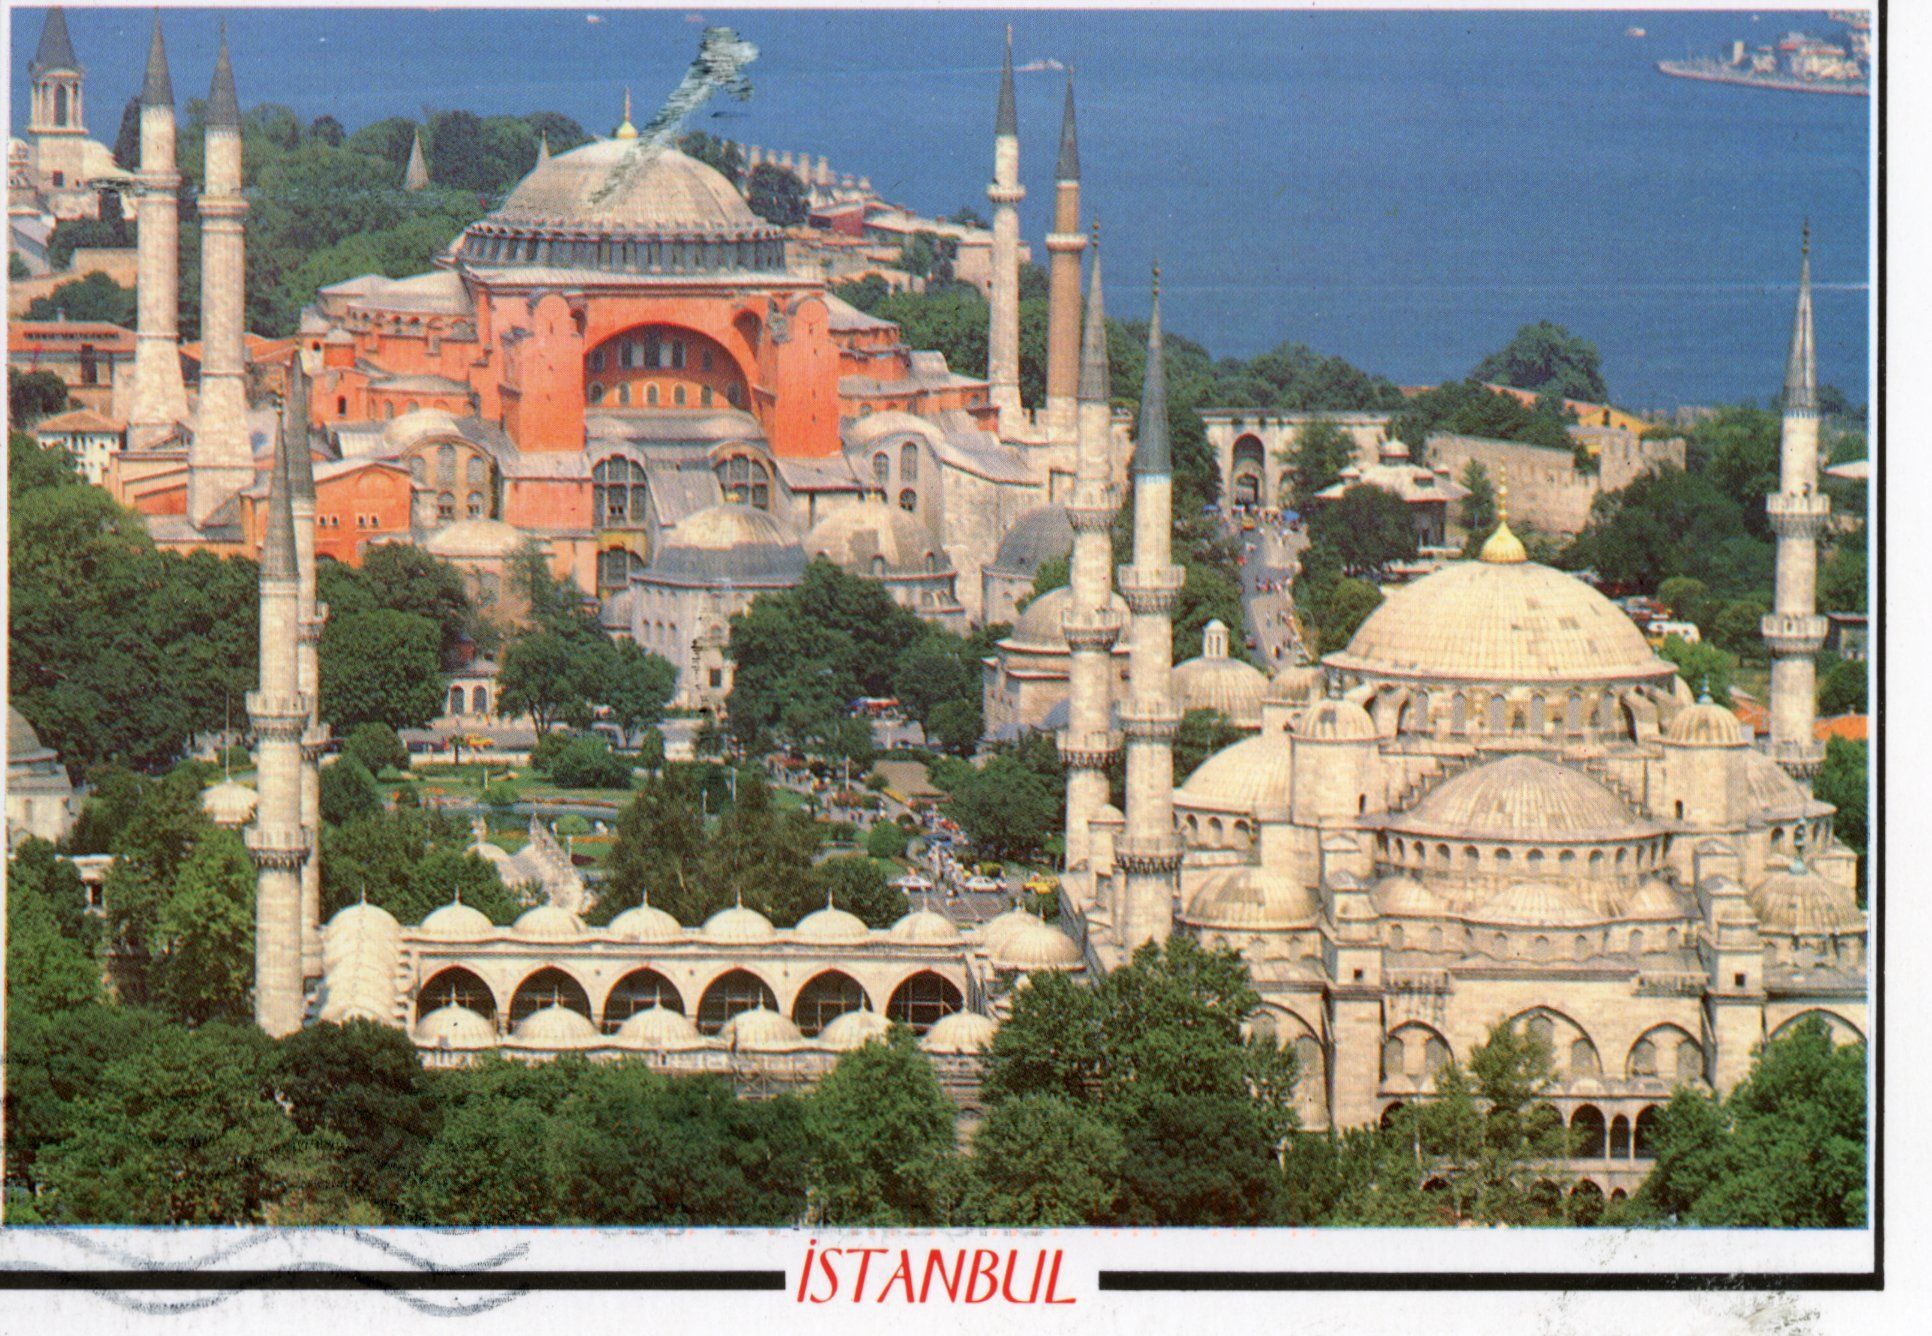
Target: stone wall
{"points": [[1547, 493]]}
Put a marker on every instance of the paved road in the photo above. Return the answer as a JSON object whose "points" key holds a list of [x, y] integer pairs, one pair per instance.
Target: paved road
{"points": [[1266, 599]]}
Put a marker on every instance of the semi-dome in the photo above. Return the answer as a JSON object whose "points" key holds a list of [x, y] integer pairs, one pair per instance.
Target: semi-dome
{"points": [[1653, 900], [728, 544], [1525, 799], [646, 923], [1771, 793], [1489, 622], [1036, 537], [1039, 626], [1215, 681], [831, 926], [625, 206], [873, 538], [960, 1032], [994, 932], [658, 1028], [415, 426], [924, 927], [1705, 724], [23, 742], [1040, 946], [1405, 897], [1532, 904], [1251, 899], [738, 926], [1297, 684], [557, 1027], [1797, 900], [229, 803], [761, 1030], [1253, 775], [457, 922], [1335, 719], [474, 540], [853, 1030], [548, 922], [455, 1027]]}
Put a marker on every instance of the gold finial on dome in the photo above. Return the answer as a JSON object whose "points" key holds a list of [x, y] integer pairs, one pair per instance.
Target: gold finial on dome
{"points": [[1503, 548], [627, 130]]}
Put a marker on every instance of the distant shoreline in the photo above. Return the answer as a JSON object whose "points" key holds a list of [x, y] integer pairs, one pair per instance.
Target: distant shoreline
{"points": [[1678, 69]]}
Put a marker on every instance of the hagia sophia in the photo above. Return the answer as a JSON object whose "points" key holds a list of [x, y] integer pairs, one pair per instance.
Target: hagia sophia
{"points": [[1496, 802]]}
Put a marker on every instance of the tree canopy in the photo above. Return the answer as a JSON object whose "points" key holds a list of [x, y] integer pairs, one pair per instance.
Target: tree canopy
{"points": [[1547, 359]]}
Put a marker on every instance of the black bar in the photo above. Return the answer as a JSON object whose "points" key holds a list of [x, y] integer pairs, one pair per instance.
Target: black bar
{"points": [[1481, 1281], [401, 1281]]}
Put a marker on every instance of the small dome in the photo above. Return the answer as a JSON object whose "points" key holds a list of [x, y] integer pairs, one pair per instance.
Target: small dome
{"points": [[1654, 900], [994, 932], [1215, 681], [738, 926], [1705, 725], [1251, 899], [457, 922], [658, 1028], [417, 425], [229, 803], [1532, 904], [1405, 897], [1039, 627], [1297, 684], [1253, 775], [761, 1030], [1798, 900], [831, 925], [474, 540], [1771, 793], [646, 923], [549, 922], [1336, 720], [853, 1030], [1034, 538], [923, 927], [1525, 798], [960, 1032], [355, 923], [873, 538], [455, 1027], [728, 543], [1038, 947], [557, 1027], [361, 948], [23, 742]]}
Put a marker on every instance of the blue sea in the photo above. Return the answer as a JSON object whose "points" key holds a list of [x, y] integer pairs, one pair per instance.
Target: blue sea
{"points": [[1401, 189]]}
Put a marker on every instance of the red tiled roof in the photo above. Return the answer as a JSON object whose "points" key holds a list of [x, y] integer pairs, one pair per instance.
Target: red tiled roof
{"points": [[1850, 727], [79, 420]]}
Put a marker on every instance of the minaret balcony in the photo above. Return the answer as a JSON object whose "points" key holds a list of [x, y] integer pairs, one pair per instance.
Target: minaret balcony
{"points": [[1152, 589], [277, 844], [1089, 750], [1091, 516], [1798, 514], [278, 714], [1091, 629], [1005, 195], [1062, 242], [1150, 720], [1793, 632]]}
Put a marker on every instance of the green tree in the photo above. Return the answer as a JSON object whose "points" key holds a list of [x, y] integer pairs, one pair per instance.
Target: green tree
{"points": [[1479, 507], [408, 862], [363, 1085], [1548, 359], [722, 154], [855, 883], [95, 297], [658, 851], [1320, 452], [1365, 1176], [405, 578], [1006, 809], [633, 684], [886, 839], [881, 1132], [1466, 408], [758, 854], [33, 395], [375, 746], [72, 234], [1844, 781], [776, 195], [204, 938], [48, 970], [383, 666], [1703, 667], [1845, 583], [956, 725], [349, 792], [1673, 523], [650, 750], [1686, 598], [1842, 691], [1043, 1161], [1368, 527], [58, 1043], [487, 1165], [537, 677], [586, 762]]}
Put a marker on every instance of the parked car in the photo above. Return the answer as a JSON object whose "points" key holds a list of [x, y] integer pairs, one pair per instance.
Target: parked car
{"points": [[982, 885]]}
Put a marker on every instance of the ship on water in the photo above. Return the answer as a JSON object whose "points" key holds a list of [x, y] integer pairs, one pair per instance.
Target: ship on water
{"points": [[1797, 63]]}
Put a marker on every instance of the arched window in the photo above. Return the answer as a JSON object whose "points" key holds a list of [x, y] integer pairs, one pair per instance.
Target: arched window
{"points": [[909, 462], [677, 394], [456, 700], [825, 998], [419, 470], [704, 392], [1588, 1135], [908, 500], [619, 492], [640, 990], [456, 987], [732, 993], [445, 465], [473, 504], [1620, 1138], [624, 393], [1644, 1143], [1395, 1058], [615, 566], [1690, 1061], [1583, 1060], [446, 507], [923, 999], [882, 469], [548, 987], [650, 395], [1643, 1058], [480, 701], [746, 479]]}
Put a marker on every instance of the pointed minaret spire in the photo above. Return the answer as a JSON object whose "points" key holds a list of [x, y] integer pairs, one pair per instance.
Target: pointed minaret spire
{"points": [[1091, 623], [625, 130], [1006, 124], [56, 49], [1064, 245], [224, 110], [221, 457], [1068, 168], [1150, 855], [158, 90], [1793, 630], [543, 148], [416, 175]]}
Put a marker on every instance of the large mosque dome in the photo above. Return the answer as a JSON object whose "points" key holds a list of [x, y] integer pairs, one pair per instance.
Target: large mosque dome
{"points": [[1500, 622], [1524, 798], [621, 205], [1039, 627]]}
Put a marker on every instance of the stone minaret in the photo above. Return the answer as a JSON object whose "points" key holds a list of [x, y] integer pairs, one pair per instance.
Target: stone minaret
{"points": [[1064, 245], [221, 461], [310, 617], [416, 174], [1150, 855], [1091, 624], [159, 400], [1793, 630], [1005, 194], [280, 716], [55, 72]]}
